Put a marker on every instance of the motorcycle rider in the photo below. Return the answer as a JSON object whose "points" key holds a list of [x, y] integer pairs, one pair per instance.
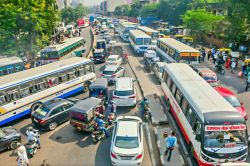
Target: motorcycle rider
{"points": [[143, 103], [219, 64], [33, 136], [101, 126]]}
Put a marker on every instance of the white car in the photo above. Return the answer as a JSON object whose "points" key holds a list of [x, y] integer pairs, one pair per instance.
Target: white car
{"points": [[158, 70], [127, 141], [124, 93], [114, 60], [112, 72], [150, 54]]}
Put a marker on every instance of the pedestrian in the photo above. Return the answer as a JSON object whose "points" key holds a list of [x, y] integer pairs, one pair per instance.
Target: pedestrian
{"points": [[171, 142], [101, 126], [248, 81], [209, 54], [228, 63], [203, 52], [22, 158], [244, 69], [233, 66], [248, 69]]}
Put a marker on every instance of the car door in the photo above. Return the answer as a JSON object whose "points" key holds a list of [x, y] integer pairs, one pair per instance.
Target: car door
{"points": [[3, 143], [56, 115], [66, 108]]}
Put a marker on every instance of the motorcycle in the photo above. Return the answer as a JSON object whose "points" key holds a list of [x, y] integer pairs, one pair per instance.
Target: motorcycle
{"points": [[32, 146], [111, 118], [220, 69], [97, 136]]}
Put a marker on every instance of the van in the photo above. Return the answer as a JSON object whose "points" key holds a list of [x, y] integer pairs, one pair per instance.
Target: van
{"points": [[125, 92]]}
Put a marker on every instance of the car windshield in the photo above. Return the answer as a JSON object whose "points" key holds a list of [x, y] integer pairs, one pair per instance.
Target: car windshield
{"points": [[42, 111], [105, 72], [225, 139], [233, 101], [123, 93], [126, 142], [2, 134], [111, 59], [97, 54], [210, 78]]}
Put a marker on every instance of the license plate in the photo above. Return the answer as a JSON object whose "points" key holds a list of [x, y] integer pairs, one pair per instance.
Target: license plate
{"points": [[126, 158]]}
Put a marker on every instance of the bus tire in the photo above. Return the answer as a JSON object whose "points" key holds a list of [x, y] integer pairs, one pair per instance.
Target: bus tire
{"points": [[35, 106], [168, 106]]}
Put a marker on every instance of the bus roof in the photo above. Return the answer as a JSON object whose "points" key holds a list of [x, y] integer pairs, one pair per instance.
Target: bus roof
{"points": [[66, 43], [147, 29], [175, 44], [37, 72], [208, 104], [10, 60], [128, 24], [139, 33]]}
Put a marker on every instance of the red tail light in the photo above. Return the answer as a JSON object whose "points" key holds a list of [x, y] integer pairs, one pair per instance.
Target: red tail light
{"points": [[116, 97], [42, 121], [139, 156], [132, 97], [102, 74], [113, 155]]}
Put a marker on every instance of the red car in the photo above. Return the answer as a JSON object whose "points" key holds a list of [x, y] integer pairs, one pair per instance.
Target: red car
{"points": [[233, 100]]}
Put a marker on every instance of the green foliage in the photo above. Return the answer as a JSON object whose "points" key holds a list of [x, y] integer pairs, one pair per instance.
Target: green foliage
{"points": [[135, 8], [122, 10], [26, 25], [69, 14], [200, 21], [149, 10]]}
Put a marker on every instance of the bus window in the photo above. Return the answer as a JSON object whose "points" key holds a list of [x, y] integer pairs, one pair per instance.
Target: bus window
{"points": [[62, 78], [40, 86], [184, 106], [197, 127], [169, 82], [2, 100], [81, 72], [173, 89], [189, 114], [71, 75], [88, 68], [178, 96], [25, 92], [14, 95]]}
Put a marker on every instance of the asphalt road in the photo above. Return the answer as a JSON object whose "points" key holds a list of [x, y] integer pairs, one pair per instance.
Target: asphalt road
{"points": [[65, 146]]}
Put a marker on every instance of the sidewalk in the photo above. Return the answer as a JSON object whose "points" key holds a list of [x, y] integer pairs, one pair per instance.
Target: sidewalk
{"points": [[149, 91]]}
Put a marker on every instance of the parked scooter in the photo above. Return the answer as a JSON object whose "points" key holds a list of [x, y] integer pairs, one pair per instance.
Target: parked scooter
{"points": [[32, 146], [97, 136]]}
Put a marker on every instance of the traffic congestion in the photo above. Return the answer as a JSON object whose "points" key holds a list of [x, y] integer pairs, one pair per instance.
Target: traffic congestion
{"points": [[86, 100]]}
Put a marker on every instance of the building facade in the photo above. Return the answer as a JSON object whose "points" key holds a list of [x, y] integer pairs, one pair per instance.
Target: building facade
{"points": [[63, 3]]}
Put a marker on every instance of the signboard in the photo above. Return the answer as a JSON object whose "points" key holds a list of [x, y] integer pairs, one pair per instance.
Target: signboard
{"points": [[195, 54], [225, 128], [185, 54]]}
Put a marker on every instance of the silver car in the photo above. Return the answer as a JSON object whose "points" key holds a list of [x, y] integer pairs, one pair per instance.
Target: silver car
{"points": [[112, 72]]}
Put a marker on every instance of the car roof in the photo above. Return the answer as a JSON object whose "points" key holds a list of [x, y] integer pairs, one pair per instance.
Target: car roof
{"points": [[99, 51], [124, 83], [54, 103], [86, 105], [224, 91], [151, 51], [204, 70], [127, 126], [99, 83], [111, 67], [113, 56]]}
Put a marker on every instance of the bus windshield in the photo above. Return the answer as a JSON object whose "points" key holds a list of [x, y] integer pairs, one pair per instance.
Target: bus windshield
{"points": [[139, 41], [147, 41], [223, 137]]}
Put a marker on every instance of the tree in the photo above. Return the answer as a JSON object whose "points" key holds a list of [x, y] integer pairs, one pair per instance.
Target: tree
{"points": [[69, 14], [122, 10], [135, 9], [200, 21], [149, 10], [26, 26]]}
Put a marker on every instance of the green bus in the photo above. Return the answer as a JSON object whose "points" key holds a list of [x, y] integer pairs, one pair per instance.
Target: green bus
{"points": [[11, 65], [58, 51]]}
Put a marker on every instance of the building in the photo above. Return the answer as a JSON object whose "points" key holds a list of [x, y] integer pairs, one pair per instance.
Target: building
{"points": [[112, 4], [63, 3]]}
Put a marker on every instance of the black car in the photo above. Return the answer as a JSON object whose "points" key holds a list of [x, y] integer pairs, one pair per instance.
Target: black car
{"points": [[51, 113], [98, 56], [9, 137]]}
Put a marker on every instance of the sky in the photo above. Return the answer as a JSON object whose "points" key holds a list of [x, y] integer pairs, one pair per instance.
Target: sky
{"points": [[92, 2]]}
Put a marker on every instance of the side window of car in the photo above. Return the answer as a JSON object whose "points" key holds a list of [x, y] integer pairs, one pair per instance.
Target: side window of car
{"points": [[67, 106], [56, 110]]}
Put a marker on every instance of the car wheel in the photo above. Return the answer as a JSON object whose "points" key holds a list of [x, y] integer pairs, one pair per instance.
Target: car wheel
{"points": [[35, 106], [52, 126], [13, 144]]}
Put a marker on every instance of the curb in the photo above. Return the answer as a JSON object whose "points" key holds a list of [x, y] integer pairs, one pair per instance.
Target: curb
{"points": [[159, 146]]}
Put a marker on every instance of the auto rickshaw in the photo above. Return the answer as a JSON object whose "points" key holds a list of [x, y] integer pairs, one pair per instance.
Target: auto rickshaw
{"points": [[188, 40], [99, 89], [226, 50], [82, 115], [163, 36], [179, 37]]}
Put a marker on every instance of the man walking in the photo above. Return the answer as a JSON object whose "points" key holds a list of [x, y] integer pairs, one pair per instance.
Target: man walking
{"points": [[22, 158], [171, 142], [248, 81]]}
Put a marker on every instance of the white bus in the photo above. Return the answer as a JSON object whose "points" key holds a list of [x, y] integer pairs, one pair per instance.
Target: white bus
{"points": [[215, 132], [151, 32], [11, 65], [139, 41], [124, 27], [23, 92], [171, 50]]}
